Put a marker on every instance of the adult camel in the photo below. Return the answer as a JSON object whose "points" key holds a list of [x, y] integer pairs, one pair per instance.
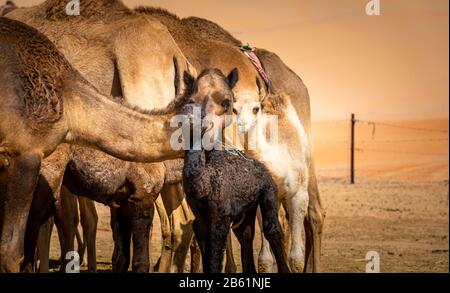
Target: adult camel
{"points": [[282, 78], [198, 38], [46, 102], [209, 53], [205, 53], [102, 43]]}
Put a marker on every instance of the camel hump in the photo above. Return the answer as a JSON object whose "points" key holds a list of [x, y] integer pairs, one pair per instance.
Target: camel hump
{"points": [[210, 30], [137, 88], [38, 71]]}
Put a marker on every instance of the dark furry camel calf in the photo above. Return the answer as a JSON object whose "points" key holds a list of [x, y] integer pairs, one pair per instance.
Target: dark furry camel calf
{"points": [[225, 189]]}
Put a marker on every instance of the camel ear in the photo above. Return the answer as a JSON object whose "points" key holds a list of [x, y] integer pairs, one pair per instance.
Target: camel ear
{"points": [[189, 82], [233, 78]]}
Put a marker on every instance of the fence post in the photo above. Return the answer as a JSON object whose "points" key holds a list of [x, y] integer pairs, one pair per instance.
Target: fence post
{"points": [[352, 150]]}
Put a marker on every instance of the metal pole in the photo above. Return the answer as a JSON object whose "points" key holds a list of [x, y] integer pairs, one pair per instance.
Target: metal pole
{"points": [[352, 150]]}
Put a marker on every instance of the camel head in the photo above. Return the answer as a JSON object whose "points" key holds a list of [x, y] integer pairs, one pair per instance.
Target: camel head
{"points": [[7, 7], [248, 108], [213, 91]]}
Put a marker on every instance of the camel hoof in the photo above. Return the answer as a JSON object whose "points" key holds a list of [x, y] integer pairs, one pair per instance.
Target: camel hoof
{"points": [[9, 266], [264, 268], [296, 265]]}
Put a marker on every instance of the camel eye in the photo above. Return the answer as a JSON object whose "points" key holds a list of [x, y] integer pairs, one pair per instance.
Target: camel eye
{"points": [[256, 110]]}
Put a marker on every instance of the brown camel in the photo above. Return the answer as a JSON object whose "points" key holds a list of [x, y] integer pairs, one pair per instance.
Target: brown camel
{"points": [[99, 46], [281, 79], [204, 53], [61, 106], [197, 38], [83, 54]]}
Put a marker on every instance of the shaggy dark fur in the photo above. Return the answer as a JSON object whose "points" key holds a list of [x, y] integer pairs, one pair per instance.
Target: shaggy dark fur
{"points": [[225, 188]]}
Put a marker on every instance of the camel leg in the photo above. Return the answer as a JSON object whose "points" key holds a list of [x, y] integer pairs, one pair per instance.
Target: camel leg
{"points": [[245, 234], [272, 228], [89, 220], [43, 245], [180, 228], [165, 260], [218, 233], [265, 259], [81, 245], [22, 176], [196, 257], [42, 208], [297, 210], [283, 217], [121, 227], [230, 265], [141, 223], [68, 219], [201, 229], [177, 226], [183, 231], [313, 225]]}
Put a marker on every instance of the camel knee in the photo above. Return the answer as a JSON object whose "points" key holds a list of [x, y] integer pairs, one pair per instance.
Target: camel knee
{"points": [[297, 262], [265, 258], [90, 226], [316, 219]]}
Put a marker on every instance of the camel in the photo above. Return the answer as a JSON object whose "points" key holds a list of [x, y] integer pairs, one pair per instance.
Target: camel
{"points": [[224, 190], [282, 79], [92, 51], [203, 28], [134, 215], [205, 53], [194, 35], [99, 46], [42, 207], [62, 107]]}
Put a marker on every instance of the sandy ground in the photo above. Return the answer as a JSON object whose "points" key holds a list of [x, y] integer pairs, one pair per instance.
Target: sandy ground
{"points": [[406, 223]]}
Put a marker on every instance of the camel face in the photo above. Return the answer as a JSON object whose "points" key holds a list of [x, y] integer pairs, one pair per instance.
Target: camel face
{"points": [[248, 111], [213, 91]]}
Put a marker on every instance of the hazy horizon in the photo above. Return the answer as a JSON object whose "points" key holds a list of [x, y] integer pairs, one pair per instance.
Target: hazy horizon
{"points": [[388, 67]]}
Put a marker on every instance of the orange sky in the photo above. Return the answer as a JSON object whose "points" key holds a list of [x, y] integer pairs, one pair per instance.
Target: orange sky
{"points": [[393, 66]]}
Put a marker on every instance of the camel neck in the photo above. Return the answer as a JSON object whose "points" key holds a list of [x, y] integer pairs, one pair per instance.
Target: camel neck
{"points": [[128, 134], [194, 162]]}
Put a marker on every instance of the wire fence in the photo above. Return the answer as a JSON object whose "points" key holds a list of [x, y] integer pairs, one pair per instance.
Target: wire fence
{"points": [[386, 150]]}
